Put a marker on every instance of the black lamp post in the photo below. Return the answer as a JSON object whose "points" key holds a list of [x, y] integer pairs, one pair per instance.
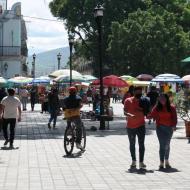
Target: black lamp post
{"points": [[58, 59], [98, 14], [71, 41], [33, 65]]}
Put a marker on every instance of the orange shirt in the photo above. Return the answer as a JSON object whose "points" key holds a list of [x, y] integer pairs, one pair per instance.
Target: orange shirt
{"points": [[131, 105]]}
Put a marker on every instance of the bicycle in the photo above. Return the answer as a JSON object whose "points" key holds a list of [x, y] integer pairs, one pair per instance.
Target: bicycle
{"points": [[70, 135]]}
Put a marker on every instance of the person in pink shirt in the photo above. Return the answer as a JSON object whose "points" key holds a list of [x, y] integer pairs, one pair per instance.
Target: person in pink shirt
{"points": [[164, 113]]}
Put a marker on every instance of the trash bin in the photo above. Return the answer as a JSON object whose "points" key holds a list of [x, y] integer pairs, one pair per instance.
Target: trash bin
{"points": [[187, 128]]}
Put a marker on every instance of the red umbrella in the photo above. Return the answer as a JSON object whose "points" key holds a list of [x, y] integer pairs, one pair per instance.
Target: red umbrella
{"points": [[145, 77], [112, 81]]}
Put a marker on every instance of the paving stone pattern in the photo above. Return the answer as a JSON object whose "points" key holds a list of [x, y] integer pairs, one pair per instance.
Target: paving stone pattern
{"points": [[38, 161]]}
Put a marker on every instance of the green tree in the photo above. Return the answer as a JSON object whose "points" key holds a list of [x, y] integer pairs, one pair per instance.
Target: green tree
{"points": [[149, 42], [78, 18]]}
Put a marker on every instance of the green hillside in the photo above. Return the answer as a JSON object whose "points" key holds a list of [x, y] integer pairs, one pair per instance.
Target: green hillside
{"points": [[46, 62]]}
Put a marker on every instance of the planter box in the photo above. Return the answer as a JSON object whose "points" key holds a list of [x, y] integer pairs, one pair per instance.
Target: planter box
{"points": [[187, 128]]}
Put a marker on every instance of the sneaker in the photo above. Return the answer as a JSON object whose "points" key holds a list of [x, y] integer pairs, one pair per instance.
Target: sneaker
{"points": [[54, 126], [142, 165], [133, 165], [6, 142], [161, 167], [79, 146], [167, 166], [49, 126], [11, 146]]}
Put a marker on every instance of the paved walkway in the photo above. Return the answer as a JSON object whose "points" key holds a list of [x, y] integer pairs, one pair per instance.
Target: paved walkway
{"points": [[39, 161]]}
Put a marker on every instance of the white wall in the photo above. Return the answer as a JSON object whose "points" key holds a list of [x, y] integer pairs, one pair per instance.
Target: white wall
{"points": [[12, 33], [13, 68]]}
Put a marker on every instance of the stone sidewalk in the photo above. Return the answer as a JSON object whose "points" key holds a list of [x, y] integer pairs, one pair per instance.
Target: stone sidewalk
{"points": [[39, 161]]}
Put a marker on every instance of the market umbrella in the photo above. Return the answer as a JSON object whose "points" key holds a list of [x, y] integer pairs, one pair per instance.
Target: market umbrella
{"points": [[2, 80], [20, 80], [167, 77], [42, 79], [89, 77], [66, 79], [144, 77], [186, 60], [128, 78], [65, 72], [112, 81], [186, 78], [83, 84]]}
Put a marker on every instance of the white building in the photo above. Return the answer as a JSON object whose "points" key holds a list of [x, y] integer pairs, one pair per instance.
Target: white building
{"points": [[13, 48]]}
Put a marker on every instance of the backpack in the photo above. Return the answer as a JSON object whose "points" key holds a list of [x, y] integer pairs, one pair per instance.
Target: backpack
{"points": [[144, 103]]}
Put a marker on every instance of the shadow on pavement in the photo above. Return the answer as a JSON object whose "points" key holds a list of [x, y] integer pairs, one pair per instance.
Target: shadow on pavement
{"points": [[36, 131], [171, 170], [139, 171], [75, 155], [8, 148], [107, 132]]}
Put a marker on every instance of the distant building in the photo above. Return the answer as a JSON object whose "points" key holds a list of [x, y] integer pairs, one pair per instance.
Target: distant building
{"points": [[13, 36]]}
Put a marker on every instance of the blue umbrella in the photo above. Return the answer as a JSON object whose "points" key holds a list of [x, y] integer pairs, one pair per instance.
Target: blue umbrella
{"points": [[40, 80], [167, 78]]}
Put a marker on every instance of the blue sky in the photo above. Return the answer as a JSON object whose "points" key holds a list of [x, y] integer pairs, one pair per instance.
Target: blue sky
{"points": [[42, 35]]}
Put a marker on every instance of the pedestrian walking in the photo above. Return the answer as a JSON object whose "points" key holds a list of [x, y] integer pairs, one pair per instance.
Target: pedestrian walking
{"points": [[89, 96], [11, 109], [33, 94], [135, 126], [23, 93], [54, 107], [166, 120]]}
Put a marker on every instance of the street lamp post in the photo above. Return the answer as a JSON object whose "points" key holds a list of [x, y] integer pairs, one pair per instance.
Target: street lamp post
{"points": [[98, 14], [71, 41], [33, 65], [59, 59]]}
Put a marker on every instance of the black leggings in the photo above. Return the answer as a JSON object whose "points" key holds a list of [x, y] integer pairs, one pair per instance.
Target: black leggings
{"points": [[140, 132]]}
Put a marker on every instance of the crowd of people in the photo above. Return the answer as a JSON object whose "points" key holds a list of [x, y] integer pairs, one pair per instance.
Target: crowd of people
{"points": [[156, 106]]}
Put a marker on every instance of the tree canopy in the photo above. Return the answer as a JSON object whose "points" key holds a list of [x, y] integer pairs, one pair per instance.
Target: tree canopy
{"points": [[148, 42], [147, 35]]}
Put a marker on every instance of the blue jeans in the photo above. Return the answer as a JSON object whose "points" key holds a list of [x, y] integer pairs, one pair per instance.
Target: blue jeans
{"points": [[164, 134], [53, 116], [140, 133]]}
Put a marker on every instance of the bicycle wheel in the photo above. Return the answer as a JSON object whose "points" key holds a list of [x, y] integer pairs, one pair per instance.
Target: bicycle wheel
{"points": [[69, 140], [83, 140]]}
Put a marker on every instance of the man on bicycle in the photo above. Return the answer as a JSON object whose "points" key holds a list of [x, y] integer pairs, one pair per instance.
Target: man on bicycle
{"points": [[73, 102]]}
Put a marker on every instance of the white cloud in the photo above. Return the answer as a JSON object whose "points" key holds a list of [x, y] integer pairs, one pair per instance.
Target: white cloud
{"points": [[47, 43], [42, 35]]}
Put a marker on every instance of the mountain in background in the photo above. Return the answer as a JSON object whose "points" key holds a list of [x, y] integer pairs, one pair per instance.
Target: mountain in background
{"points": [[46, 62]]}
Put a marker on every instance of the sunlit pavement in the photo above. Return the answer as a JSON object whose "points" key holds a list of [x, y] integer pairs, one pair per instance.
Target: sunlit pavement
{"points": [[38, 161]]}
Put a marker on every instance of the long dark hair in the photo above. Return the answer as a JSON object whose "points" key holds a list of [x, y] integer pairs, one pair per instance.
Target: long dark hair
{"points": [[159, 106]]}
